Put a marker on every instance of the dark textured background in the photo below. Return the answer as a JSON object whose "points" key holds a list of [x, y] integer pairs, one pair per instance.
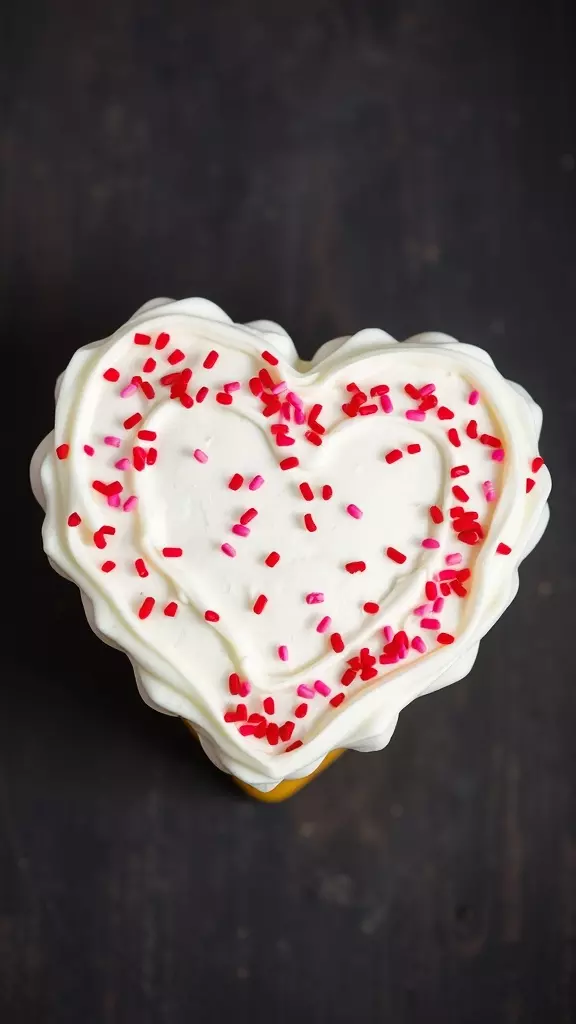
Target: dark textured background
{"points": [[330, 165]]}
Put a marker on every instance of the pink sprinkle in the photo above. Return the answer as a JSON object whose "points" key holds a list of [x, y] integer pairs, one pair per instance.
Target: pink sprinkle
{"points": [[388, 633], [255, 483], [386, 403], [279, 388], [473, 398], [453, 559], [430, 542], [489, 490], [130, 503], [422, 609], [299, 416], [354, 511], [315, 598], [200, 456], [305, 691], [414, 414], [114, 442], [430, 623], [321, 687], [498, 455], [427, 389], [285, 410], [88, 449], [283, 652], [240, 531], [122, 464], [419, 645], [114, 500], [228, 550], [244, 688], [234, 385], [324, 624], [130, 389], [438, 605], [294, 399]]}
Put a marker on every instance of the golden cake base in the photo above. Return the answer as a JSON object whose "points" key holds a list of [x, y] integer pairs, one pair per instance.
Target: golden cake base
{"points": [[285, 789]]}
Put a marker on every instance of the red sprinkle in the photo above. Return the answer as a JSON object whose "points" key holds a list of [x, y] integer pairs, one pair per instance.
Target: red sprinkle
{"points": [[161, 341], [147, 435], [379, 389], [141, 569], [248, 516], [111, 374], [431, 590], [309, 523], [260, 604], [313, 438], [503, 549], [337, 643], [436, 514], [537, 463], [172, 552], [286, 731], [293, 746], [445, 589], [459, 471], [472, 429], [289, 463], [395, 555], [62, 451], [371, 607], [151, 456], [146, 607], [268, 705], [337, 700], [210, 360], [269, 358], [266, 379], [236, 482], [132, 421], [176, 356], [413, 449], [272, 559], [211, 616], [530, 483], [108, 566], [223, 398], [171, 609], [301, 711], [444, 413], [327, 492], [445, 638], [412, 391], [201, 394], [454, 437], [489, 439], [459, 493], [141, 339], [255, 385], [74, 519], [353, 567], [149, 365], [306, 492], [272, 733], [393, 456]]}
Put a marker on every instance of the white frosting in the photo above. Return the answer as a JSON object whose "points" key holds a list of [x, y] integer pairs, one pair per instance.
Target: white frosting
{"points": [[183, 663]]}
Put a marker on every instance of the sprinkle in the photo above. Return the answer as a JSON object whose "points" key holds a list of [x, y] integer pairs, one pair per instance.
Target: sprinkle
{"points": [[290, 463], [327, 492], [240, 531], [454, 437], [272, 733], [62, 451], [530, 483], [88, 449], [113, 442], [430, 542], [306, 492], [108, 566], [147, 435], [488, 490], [386, 403], [537, 463], [186, 400], [161, 341], [171, 609], [368, 410], [460, 494], [472, 429], [354, 511], [111, 374], [236, 482], [388, 633], [412, 391], [503, 549], [172, 552], [255, 386], [498, 455], [210, 360], [260, 604], [309, 523], [352, 387], [431, 590], [223, 398], [256, 482], [293, 746], [379, 389], [469, 536], [130, 503], [228, 550], [200, 456], [353, 567], [393, 456], [201, 394], [445, 638], [316, 597], [321, 688], [280, 388], [248, 516], [430, 623], [233, 385], [313, 438], [459, 471], [427, 389], [211, 616], [436, 514], [113, 500], [438, 605], [141, 339], [268, 705], [130, 389], [458, 589], [444, 414], [74, 519], [132, 421], [423, 609], [324, 624], [301, 711], [269, 358], [266, 379], [151, 456], [415, 414], [337, 643], [445, 589], [149, 365], [139, 457], [488, 439], [300, 418], [176, 357], [418, 644], [272, 559], [371, 608], [453, 559], [413, 449], [140, 567], [146, 607], [305, 691], [244, 688], [395, 555], [473, 398], [283, 652], [337, 700]]}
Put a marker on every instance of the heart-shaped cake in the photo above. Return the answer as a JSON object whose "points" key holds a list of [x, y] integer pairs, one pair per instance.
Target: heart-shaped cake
{"points": [[288, 552]]}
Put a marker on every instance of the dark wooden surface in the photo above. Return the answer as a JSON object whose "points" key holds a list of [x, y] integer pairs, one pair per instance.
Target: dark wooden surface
{"points": [[330, 165]]}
